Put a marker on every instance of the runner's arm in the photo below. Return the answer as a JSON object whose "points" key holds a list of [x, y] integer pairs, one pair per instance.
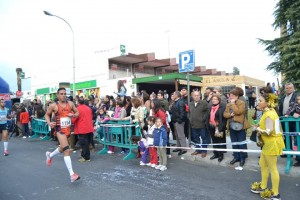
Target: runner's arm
{"points": [[49, 113]]}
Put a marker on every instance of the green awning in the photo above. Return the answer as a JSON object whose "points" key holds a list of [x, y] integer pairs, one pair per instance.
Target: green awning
{"points": [[165, 77], [42, 91]]}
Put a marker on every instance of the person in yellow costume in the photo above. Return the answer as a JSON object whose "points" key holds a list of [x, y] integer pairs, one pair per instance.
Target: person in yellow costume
{"points": [[270, 138]]}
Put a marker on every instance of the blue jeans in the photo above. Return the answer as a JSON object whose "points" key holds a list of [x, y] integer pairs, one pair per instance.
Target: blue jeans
{"points": [[25, 130], [196, 134], [238, 136]]}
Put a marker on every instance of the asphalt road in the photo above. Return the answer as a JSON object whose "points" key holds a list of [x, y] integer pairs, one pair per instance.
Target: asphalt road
{"points": [[25, 176]]}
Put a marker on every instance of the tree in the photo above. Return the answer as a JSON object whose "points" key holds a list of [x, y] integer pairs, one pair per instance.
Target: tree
{"points": [[286, 48], [236, 71]]}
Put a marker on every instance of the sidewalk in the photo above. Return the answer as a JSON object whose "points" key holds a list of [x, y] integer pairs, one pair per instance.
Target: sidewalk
{"points": [[251, 162]]}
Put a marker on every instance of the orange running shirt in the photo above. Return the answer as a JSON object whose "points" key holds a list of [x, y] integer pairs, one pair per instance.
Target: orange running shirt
{"points": [[63, 122]]}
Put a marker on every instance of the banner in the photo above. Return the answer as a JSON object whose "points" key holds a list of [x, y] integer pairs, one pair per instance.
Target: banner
{"points": [[6, 97]]}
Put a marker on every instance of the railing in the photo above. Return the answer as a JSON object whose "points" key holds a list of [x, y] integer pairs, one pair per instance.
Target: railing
{"points": [[118, 134], [40, 127], [286, 124]]}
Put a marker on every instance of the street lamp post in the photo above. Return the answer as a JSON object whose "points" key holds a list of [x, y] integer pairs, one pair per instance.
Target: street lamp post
{"points": [[49, 14]]}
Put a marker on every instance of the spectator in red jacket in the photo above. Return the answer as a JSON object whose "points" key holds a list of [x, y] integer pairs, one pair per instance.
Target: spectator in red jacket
{"points": [[83, 127], [24, 120]]}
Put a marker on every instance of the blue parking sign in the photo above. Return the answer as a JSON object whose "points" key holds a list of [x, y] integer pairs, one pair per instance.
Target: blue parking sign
{"points": [[186, 61]]}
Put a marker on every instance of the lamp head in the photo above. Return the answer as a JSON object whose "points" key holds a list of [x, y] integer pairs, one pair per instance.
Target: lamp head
{"points": [[47, 13]]}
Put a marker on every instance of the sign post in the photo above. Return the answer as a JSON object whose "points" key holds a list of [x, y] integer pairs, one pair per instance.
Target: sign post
{"points": [[187, 64]]}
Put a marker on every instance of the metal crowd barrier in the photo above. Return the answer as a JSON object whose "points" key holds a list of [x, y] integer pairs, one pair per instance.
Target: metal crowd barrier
{"points": [[286, 122], [118, 134], [40, 127]]}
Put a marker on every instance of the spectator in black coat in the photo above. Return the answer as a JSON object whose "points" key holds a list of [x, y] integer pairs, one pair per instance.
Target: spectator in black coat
{"points": [[178, 118]]}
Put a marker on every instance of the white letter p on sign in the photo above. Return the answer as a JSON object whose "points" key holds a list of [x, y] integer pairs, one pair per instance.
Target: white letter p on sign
{"points": [[185, 59]]}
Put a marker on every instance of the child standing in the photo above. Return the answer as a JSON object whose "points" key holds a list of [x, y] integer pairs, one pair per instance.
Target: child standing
{"points": [[149, 137], [100, 118], [143, 146], [24, 119], [160, 140]]}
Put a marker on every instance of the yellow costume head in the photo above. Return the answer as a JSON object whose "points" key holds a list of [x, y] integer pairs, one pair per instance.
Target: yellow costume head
{"points": [[271, 99]]}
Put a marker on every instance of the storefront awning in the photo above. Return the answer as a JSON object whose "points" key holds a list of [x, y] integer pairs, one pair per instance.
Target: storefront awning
{"points": [[163, 78]]}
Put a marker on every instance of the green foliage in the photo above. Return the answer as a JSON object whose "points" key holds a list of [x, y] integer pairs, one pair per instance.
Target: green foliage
{"points": [[286, 49], [236, 71]]}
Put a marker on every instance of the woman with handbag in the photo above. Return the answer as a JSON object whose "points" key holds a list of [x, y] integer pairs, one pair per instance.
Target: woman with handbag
{"points": [[217, 126], [270, 138], [237, 124]]}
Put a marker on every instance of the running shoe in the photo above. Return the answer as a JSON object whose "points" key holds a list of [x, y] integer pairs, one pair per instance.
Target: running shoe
{"points": [[6, 153], [48, 159], [257, 190], [153, 165], [158, 166], [273, 197], [74, 178]]}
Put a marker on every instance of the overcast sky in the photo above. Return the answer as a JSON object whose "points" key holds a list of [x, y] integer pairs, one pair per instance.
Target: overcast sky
{"points": [[222, 33]]}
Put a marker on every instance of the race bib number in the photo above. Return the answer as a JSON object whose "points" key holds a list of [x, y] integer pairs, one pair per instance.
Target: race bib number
{"points": [[65, 122]]}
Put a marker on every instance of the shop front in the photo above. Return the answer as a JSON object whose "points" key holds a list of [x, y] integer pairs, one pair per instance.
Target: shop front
{"points": [[86, 89], [170, 82], [228, 82], [42, 94]]}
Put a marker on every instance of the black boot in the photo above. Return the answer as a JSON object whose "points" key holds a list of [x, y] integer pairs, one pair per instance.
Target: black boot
{"points": [[242, 162], [234, 161], [221, 157], [214, 156]]}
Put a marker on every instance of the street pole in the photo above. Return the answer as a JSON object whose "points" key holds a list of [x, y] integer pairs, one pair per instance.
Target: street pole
{"points": [[168, 32], [189, 98], [169, 45], [49, 14]]}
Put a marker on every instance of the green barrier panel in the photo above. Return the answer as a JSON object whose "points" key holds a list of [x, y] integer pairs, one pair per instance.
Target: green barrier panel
{"points": [[286, 123], [118, 133], [39, 127]]}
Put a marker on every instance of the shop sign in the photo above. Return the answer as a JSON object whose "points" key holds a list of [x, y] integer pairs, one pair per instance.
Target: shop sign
{"points": [[41, 91], [53, 89], [84, 85], [221, 79]]}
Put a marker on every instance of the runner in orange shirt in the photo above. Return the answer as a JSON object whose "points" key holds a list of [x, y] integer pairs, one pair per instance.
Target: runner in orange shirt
{"points": [[63, 114]]}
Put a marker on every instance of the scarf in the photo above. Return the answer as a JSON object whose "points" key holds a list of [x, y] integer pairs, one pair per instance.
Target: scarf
{"points": [[213, 111]]}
